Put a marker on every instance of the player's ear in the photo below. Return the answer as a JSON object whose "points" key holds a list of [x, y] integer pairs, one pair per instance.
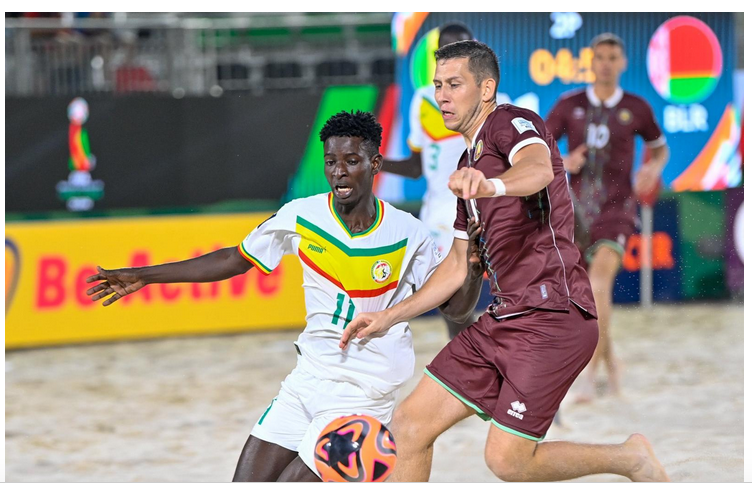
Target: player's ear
{"points": [[376, 161], [488, 87]]}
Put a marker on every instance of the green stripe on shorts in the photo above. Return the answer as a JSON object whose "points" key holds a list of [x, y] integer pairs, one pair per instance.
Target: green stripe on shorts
{"points": [[515, 432], [590, 252], [261, 421], [481, 413]]}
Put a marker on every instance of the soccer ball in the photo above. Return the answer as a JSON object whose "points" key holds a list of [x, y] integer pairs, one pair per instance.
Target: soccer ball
{"points": [[355, 448]]}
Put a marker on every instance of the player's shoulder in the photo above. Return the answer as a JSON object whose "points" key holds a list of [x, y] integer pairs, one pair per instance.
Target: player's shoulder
{"points": [[403, 220], [508, 112], [308, 205], [576, 96], [397, 214], [511, 118], [636, 100]]}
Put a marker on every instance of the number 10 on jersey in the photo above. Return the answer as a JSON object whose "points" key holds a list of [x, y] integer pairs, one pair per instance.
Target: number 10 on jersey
{"points": [[340, 305]]}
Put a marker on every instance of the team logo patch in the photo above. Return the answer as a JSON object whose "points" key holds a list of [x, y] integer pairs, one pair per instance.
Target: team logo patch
{"points": [[517, 409], [522, 125], [578, 113], [380, 271], [478, 150], [624, 116]]}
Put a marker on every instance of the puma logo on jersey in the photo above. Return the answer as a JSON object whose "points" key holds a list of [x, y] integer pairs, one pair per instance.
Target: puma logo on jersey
{"points": [[316, 249]]}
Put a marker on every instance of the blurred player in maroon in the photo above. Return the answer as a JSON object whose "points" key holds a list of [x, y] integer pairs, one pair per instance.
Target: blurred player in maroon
{"points": [[600, 123], [515, 364]]}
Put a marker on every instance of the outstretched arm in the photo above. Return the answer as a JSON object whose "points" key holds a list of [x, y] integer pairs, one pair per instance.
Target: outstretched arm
{"points": [[218, 265], [462, 304], [411, 167], [443, 283], [530, 173]]}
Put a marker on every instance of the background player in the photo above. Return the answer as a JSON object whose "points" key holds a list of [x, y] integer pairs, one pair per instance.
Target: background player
{"points": [[435, 151], [516, 363], [600, 122], [358, 253]]}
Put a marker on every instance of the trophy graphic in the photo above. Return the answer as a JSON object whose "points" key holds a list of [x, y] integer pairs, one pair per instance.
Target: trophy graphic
{"points": [[80, 191]]}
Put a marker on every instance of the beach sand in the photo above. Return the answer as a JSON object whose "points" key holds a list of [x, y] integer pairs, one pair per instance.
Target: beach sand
{"points": [[181, 409]]}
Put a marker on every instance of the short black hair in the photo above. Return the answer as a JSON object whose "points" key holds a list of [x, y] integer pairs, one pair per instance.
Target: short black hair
{"points": [[609, 39], [458, 29], [354, 124], [482, 60]]}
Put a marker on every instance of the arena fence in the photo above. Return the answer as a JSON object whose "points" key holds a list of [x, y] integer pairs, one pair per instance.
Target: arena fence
{"points": [[196, 56]]}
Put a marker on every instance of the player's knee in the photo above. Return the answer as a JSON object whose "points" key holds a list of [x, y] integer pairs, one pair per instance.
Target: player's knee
{"points": [[605, 267], [600, 282], [505, 465], [409, 433]]}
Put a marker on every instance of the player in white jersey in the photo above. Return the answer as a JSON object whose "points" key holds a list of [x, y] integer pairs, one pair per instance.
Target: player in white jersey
{"points": [[435, 154], [359, 254]]}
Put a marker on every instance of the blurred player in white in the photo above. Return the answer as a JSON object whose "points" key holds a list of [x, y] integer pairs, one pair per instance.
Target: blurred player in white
{"points": [[435, 153], [358, 254]]}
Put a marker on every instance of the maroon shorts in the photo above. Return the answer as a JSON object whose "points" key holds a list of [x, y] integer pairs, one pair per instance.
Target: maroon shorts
{"points": [[516, 371], [613, 234]]}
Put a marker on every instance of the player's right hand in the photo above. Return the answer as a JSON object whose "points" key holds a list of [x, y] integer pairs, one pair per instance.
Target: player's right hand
{"points": [[118, 282], [363, 325], [575, 160], [474, 264], [470, 183]]}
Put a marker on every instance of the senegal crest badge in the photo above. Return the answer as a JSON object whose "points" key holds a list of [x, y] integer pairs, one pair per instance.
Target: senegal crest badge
{"points": [[381, 271]]}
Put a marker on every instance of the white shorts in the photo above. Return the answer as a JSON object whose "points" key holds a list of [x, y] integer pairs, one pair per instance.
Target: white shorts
{"points": [[306, 404]]}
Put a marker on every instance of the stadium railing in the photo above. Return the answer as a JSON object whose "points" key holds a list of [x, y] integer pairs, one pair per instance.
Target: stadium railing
{"points": [[196, 56]]}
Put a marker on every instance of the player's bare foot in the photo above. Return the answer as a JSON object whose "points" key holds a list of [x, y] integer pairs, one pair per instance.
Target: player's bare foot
{"points": [[646, 467]]}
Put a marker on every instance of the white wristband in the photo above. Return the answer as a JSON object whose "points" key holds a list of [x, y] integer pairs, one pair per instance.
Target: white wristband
{"points": [[499, 186]]}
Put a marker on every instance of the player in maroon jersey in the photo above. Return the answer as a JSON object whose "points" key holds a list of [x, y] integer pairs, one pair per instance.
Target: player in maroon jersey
{"points": [[601, 122], [516, 363]]}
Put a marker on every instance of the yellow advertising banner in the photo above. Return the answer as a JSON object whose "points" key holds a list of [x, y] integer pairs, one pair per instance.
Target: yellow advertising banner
{"points": [[47, 263]]}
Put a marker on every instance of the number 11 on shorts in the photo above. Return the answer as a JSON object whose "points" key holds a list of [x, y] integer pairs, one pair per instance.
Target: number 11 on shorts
{"points": [[340, 304]]}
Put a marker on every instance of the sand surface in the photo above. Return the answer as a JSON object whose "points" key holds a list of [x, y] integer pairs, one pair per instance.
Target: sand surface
{"points": [[181, 409]]}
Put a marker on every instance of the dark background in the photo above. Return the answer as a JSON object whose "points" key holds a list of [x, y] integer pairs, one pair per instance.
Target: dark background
{"points": [[159, 151]]}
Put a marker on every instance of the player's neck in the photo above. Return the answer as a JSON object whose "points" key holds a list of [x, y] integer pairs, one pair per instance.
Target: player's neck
{"points": [[477, 121], [359, 216], [604, 91]]}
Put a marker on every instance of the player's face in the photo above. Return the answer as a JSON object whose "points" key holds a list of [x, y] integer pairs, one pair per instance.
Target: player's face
{"points": [[349, 169], [458, 96], [608, 63]]}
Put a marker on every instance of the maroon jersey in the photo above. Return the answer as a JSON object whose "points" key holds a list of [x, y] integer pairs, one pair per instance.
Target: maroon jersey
{"points": [[531, 262], [603, 188]]}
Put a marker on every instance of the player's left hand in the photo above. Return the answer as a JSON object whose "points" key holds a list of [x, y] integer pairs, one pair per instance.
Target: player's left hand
{"points": [[365, 324], [474, 263], [647, 177], [468, 183]]}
